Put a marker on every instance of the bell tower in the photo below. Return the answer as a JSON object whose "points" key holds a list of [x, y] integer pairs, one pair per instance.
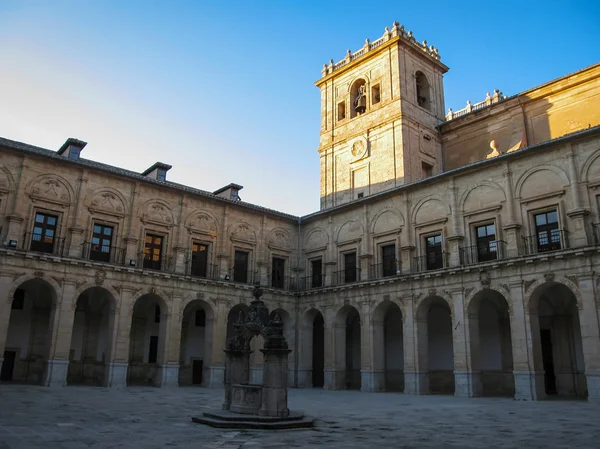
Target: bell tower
{"points": [[380, 107]]}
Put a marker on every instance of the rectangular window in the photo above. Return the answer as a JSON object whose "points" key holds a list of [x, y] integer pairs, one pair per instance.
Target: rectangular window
{"points": [[101, 243], [199, 259], [433, 252], [341, 112], [153, 252], [350, 271], [18, 299], [44, 233], [200, 319], [427, 169], [375, 94], [487, 246], [153, 349], [74, 154], [316, 272], [547, 232], [388, 260], [277, 272], [240, 266], [161, 174]]}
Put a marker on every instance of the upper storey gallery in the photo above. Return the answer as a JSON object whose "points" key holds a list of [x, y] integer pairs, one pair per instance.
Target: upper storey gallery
{"points": [[383, 122]]}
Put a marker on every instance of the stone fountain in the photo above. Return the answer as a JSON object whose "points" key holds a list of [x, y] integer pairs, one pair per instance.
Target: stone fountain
{"points": [[249, 406]]}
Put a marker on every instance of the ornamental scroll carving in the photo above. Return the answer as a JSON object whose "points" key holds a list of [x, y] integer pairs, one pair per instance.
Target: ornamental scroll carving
{"points": [[155, 212], [109, 202], [51, 189]]}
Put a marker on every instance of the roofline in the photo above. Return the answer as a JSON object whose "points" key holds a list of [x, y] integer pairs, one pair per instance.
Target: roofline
{"points": [[117, 171], [456, 171], [155, 166], [71, 141]]}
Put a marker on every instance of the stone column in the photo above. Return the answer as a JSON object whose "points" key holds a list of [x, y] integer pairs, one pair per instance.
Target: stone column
{"points": [[237, 371], [473, 351], [213, 375], [372, 373], [466, 382], [589, 318], [76, 242], [329, 347], [60, 329], [511, 229], [578, 235], [412, 379], [5, 309], [180, 265], [274, 390], [529, 381], [305, 347], [118, 357], [131, 252], [169, 340]]}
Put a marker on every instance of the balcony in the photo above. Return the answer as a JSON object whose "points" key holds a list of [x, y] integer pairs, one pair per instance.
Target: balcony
{"points": [[384, 270], [492, 250], [434, 260], [346, 276], [44, 244], [107, 254], [543, 242]]}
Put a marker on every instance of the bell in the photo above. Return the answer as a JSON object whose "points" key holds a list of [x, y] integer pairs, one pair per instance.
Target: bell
{"points": [[360, 105]]}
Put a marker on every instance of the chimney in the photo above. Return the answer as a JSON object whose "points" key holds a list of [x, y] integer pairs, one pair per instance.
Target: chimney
{"points": [[230, 192]]}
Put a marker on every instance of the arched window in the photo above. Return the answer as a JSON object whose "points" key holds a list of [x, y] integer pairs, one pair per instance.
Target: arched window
{"points": [[423, 91], [358, 98]]}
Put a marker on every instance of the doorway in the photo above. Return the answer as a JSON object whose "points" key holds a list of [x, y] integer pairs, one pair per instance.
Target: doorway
{"points": [[548, 361], [197, 371], [8, 366]]}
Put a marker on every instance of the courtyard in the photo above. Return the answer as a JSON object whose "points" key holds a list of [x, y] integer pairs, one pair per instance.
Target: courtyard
{"points": [[89, 417]]}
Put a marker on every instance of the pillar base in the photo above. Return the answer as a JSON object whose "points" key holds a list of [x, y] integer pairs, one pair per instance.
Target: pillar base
{"points": [[305, 378], [214, 377], [256, 375], [372, 380], [416, 382], [334, 379], [56, 373], [167, 376], [467, 384], [116, 374], [529, 385], [593, 387]]}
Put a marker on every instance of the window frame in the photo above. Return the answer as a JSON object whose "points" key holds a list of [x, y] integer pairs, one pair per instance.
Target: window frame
{"points": [[425, 252]]}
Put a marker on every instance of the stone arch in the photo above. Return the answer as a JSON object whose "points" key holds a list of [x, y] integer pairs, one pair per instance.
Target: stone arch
{"points": [[347, 352], [532, 171], [363, 77], [107, 199], [242, 231], [311, 348], [533, 291], [422, 89], [387, 352], [585, 170], [7, 181], [384, 221], [484, 185], [81, 289], [425, 300], [383, 306], [432, 205], [55, 288], [316, 238], [490, 356], [471, 294], [350, 230], [196, 341], [154, 291], [50, 186], [188, 300]]}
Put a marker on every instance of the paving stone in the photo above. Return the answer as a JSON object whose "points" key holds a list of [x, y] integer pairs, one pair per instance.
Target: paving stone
{"points": [[161, 418]]}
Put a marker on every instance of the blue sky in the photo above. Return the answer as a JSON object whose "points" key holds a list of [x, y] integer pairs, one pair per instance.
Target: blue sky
{"points": [[224, 90]]}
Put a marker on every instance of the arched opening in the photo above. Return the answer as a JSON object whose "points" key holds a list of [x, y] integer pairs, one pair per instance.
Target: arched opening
{"points": [[347, 349], [312, 350], [290, 338], [91, 338], [491, 345], [423, 91], [557, 341], [435, 346], [388, 346], [195, 350], [358, 98], [29, 333], [147, 340]]}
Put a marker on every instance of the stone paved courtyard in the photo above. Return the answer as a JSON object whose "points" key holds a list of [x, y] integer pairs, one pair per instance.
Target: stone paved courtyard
{"points": [[83, 417]]}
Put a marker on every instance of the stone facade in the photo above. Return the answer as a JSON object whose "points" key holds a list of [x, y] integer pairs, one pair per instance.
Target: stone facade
{"points": [[482, 280]]}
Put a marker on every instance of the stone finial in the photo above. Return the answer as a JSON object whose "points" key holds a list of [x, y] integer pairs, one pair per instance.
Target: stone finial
{"points": [[348, 55], [367, 44], [386, 33]]}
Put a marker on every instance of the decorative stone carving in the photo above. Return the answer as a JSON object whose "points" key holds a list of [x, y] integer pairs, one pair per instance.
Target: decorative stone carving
{"points": [[155, 212], [52, 189], [201, 222], [199, 295], [468, 291], [108, 202], [386, 297], [39, 274], [243, 232], [279, 239], [549, 277], [359, 148], [99, 277], [432, 292], [527, 284], [485, 279], [573, 279]]}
